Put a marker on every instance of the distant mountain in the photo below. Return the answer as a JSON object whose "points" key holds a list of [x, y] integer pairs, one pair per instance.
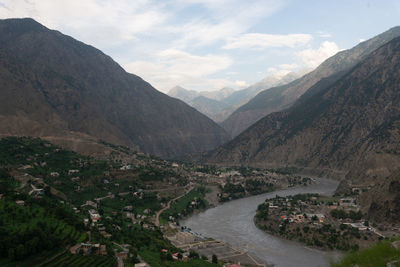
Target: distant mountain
{"points": [[52, 85], [209, 107], [219, 104], [183, 94], [281, 97], [188, 95], [348, 126], [241, 97], [218, 94]]}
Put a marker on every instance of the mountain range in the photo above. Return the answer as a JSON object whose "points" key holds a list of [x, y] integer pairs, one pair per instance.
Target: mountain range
{"points": [[219, 105], [345, 127], [282, 97], [54, 85]]}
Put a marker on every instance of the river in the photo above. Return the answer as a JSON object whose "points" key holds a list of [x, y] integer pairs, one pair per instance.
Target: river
{"points": [[232, 222]]}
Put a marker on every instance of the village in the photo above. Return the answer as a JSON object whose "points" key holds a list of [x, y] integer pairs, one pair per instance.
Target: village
{"points": [[322, 222], [140, 194]]}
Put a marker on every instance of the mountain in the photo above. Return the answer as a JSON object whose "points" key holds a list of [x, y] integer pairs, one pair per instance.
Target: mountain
{"points": [[53, 85], [182, 93], [281, 97], [349, 128], [241, 97], [209, 107], [188, 95], [218, 94], [219, 105]]}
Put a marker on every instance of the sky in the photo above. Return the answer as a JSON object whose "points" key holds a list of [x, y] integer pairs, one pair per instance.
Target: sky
{"points": [[206, 45]]}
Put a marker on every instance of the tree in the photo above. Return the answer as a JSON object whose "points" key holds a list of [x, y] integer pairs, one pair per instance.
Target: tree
{"points": [[193, 254], [214, 259]]}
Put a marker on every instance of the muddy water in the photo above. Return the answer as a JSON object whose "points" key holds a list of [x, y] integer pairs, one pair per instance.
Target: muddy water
{"points": [[233, 223]]}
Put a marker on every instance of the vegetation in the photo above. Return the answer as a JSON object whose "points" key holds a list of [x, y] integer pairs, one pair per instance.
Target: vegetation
{"points": [[41, 227], [297, 217], [184, 206], [341, 214], [377, 256]]}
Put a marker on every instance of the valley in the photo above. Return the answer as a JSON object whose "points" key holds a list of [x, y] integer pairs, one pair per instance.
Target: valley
{"points": [[106, 204], [277, 146]]}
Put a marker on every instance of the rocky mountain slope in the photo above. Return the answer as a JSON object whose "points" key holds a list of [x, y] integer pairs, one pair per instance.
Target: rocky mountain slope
{"points": [[279, 98], [213, 109], [52, 85], [349, 128]]}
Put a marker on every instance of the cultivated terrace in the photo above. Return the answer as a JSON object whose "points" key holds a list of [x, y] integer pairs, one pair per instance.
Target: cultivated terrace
{"points": [[61, 208]]}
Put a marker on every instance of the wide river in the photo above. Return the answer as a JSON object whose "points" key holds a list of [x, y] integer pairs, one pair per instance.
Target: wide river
{"points": [[232, 223]]}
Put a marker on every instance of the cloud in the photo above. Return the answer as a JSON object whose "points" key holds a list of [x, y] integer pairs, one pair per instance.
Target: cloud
{"points": [[219, 24], [277, 72], [241, 84], [289, 66], [260, 41], [324, 34], [94, 22], [171, 67], [313, 57]]}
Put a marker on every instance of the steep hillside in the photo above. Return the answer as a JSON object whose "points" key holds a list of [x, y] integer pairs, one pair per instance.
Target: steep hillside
{"points": [[209, 107], [279, 98], [52, 84], [350, 127]]}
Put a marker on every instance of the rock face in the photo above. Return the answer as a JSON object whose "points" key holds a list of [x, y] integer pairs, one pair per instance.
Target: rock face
{"points": [[282, 97], [382, 202], [53, 84], [348, 125]]}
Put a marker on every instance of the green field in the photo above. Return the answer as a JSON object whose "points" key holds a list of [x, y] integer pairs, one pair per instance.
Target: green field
{"points": [[376, 256], [182, 205]]}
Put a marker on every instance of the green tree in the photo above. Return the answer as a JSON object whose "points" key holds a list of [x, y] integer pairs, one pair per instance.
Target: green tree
{"points": [[214, 259]]}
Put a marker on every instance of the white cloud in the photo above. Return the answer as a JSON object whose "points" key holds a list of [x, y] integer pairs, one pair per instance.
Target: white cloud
{"points": [[289, 66], [241, 84], [220, 24], [260, 40], [324, 34], [171, 67], [277, 72], [313, 57], [96, 22]]}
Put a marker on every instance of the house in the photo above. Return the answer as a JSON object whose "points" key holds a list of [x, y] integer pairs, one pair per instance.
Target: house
{"points": [[105, 234], [75, 249], [94, 215], [128, 208], [125, 167], [54, 174], [20, 202], [103, 250]]}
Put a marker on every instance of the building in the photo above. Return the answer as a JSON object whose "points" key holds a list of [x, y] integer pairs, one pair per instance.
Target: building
{"points": [[94, 215]]}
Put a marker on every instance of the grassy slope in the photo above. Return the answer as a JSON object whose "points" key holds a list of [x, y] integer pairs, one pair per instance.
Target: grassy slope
{"points": [[376, 256]]}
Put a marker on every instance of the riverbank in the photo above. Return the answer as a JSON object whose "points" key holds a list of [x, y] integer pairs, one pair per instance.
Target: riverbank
{"points": [[317, 221], [232, 223]]}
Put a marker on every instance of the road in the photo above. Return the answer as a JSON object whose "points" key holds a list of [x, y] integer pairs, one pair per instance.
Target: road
{"points": [[157, 221]]}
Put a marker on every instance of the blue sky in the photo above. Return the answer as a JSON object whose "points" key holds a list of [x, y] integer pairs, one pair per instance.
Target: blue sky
{"points": [[210, 44]]}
